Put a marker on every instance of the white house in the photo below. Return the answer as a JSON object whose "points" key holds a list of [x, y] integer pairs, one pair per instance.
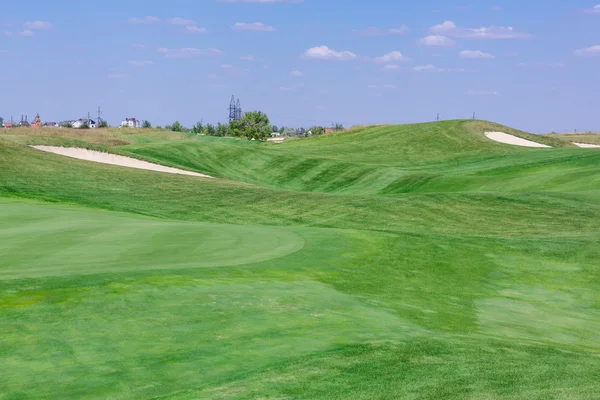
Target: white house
{"points": [[90, 123], [131, 123]]}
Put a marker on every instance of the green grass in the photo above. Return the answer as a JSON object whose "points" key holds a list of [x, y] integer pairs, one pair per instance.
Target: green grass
{"points": [[380, 263]]}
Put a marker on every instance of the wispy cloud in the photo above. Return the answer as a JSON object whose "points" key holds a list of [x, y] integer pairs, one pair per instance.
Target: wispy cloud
{"points": [[390, 57], [253, 26], [25, 33], [195, 29], [476, 54], [139, 46], [374, 31], [589, 51], [390, 67], [38, 25], [180, 21], [249, 58], [325, 53], [145, 20], [141, 63], [437, 41], [449, 28], [188, 52], [431, 68], [472, 92], [292, 87], [261, 1], [593, 10], [297, 74]]}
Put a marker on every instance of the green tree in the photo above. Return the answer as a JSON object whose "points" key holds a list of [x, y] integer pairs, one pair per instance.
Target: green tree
{"points": [[198, 129], [317, 130], [1, 121], [158, 127], [66, 125], [254, 125], [275, 128], [84, 126], [102, 124], [338, 127], [210, 130], [282, 129], [222, 130], [146, 124], [176, 127]]}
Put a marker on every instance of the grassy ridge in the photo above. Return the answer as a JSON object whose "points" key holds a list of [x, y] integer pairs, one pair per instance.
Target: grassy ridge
{"points": [[318, 269]]}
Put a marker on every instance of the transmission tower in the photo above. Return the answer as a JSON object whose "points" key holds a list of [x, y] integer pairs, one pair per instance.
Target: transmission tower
{"points": [[232, 110], [238, 110]]}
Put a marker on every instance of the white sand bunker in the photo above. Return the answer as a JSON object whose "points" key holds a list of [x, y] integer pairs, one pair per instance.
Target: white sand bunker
{"points": [[587, 146], [114, 159], [510, 139]]}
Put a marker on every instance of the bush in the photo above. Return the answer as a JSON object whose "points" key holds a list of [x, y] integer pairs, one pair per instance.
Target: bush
{"points": [[254, 125], [317, 131], [84, 126], [146, 124], [102, 124], [176, 127], [222, 130]]}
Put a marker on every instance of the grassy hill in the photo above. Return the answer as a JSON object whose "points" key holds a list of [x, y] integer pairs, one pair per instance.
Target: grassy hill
{"points": [[413, 262]]}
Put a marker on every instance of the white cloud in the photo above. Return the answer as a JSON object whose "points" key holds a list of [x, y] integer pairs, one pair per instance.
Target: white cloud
{"points": [[593, 10], [431, 68], [292, 87], [391, 67], [139, 46], [25, 33], [476, 54], [374, 31], [188, 52], [195, 29], [437, 41], [390, 57], [118, 75], [145, 20], [38, 25], [254, 26], [297, 74], [180, 21], [250, 58], [590, 51], [482, 93], [449, 28], [226, 66], [140, 63], [372, 87], [261, 1], [325, 53]]}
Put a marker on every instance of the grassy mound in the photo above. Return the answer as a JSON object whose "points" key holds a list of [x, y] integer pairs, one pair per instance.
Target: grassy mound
{"points": [[418, 261]]}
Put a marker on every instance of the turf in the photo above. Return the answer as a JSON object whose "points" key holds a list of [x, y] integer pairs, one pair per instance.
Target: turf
{"points": [[361, 265]]}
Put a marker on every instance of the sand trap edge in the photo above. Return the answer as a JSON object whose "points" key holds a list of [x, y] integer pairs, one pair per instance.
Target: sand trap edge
{"points": [[505, 138], [586, 145], [114, 159]]}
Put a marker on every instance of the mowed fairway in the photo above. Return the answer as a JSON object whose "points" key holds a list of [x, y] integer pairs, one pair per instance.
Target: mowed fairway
{"points": [[397, 262]]}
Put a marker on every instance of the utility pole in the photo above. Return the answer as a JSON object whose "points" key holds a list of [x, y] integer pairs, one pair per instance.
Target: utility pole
{"points": [[438, 117], [473, 116], [99, 114]]}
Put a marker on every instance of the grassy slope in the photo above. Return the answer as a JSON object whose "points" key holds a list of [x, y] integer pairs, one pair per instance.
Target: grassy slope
{"points": [[461, 294]]}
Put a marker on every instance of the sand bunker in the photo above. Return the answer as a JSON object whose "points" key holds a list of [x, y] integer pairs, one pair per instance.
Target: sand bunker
{"points": [[510, 139], [587, 146], [114, 159]]}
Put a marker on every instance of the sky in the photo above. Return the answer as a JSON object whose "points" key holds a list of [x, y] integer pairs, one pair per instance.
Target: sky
{"points": [[533, 65]]}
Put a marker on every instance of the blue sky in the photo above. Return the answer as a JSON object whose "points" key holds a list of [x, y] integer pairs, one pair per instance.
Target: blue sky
{"points": [[530, 64]]}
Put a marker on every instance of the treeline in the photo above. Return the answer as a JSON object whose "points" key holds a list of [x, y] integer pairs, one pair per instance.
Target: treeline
{"points": [[253, 125]]}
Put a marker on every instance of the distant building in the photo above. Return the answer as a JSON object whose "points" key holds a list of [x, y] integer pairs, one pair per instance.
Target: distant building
{"points": [[37, 121], [83, 121], [131, 123], [50, 124], [7, 124]]}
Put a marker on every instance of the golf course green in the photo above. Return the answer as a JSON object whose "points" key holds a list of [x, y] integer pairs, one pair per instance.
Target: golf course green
{"points": [[420, 261]]}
